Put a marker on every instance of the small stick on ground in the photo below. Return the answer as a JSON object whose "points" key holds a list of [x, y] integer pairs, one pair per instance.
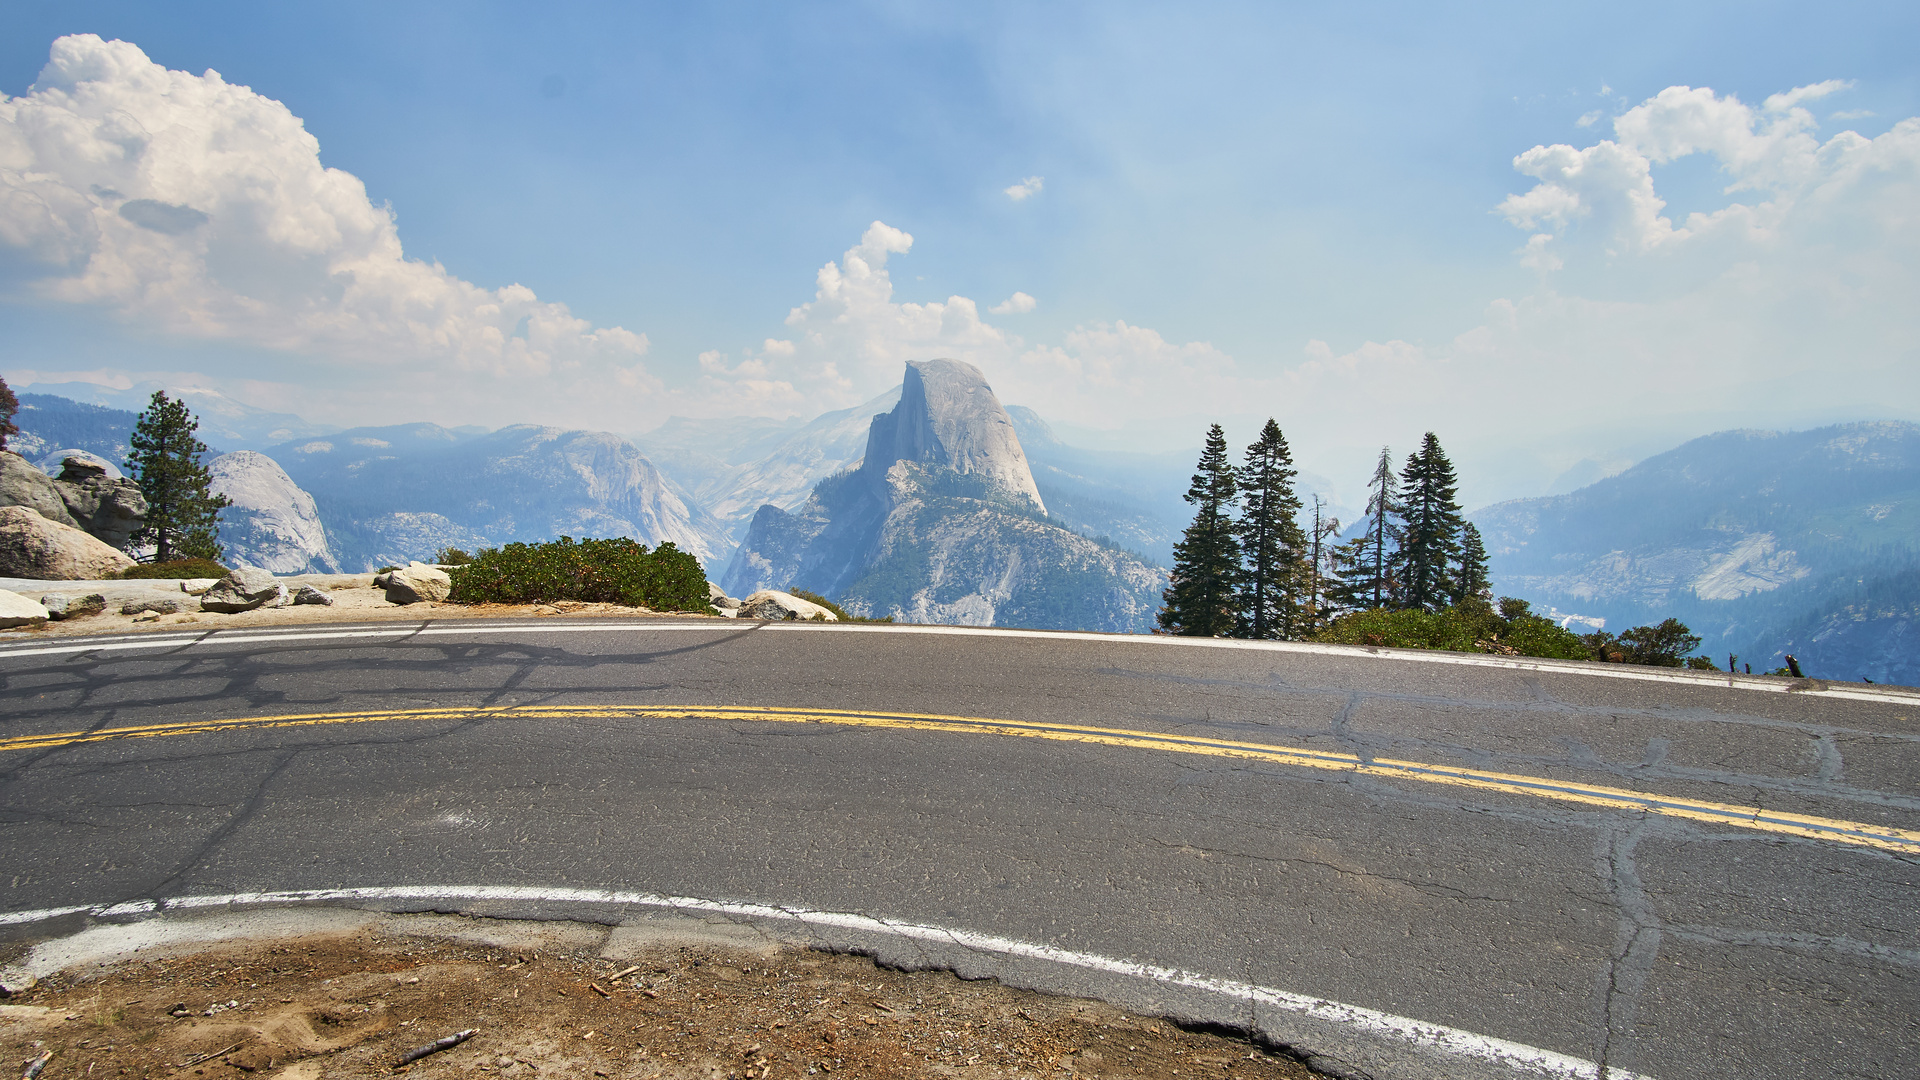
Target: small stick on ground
{"points": [[595, 987], [435, 1047], [208, 1057], [34, 1066]]}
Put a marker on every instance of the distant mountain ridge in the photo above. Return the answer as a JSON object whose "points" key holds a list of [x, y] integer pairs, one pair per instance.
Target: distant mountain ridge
{"points": [[1741, 534], [389, 494]]}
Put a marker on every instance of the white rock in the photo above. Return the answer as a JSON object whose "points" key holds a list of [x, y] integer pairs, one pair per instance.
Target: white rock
{"points": [[33, 546], [312, 594], [17, 610], [246, 588], [718, 597], [416, 582], [197, 586], [774, 604]]}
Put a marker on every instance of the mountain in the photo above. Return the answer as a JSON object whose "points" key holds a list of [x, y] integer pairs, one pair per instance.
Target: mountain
{"points": [[389, 494], [270, 523], [1761, 541], [943, 522], [224, 422], [731, 467], [48, 422]]}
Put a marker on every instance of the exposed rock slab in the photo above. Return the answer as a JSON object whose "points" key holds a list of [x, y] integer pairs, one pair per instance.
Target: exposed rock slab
{"points": [[949, 417], [774, 604], [61, 606], [17, 610], [106, 504], [23, 484], [35, 546]]}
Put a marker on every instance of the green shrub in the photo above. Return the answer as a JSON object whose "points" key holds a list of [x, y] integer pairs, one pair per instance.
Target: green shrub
{"points": [[452, 557], [838, 611], [175, 568], [1472, 625], [614, 571]]}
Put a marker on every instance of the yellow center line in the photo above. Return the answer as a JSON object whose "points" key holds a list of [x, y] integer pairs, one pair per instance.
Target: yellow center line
{"points": [[1885, 838]]}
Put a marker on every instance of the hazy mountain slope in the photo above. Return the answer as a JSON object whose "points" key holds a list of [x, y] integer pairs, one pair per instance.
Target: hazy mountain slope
{"points": [[1741, 534], [48, 422], [224, 422], [942, 522], [393, 493]]}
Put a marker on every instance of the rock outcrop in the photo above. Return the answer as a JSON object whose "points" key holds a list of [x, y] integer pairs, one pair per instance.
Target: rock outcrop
{"points": [[942, 524], [84, 496], [774, 604], [415, 583], [17, 611], [246, 588], [271, 523], [53, 463], [948, 417], [35, 546], [106, 504]]}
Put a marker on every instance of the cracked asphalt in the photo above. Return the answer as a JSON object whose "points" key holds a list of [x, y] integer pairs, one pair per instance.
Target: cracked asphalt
{"points": [[1653, 944]]}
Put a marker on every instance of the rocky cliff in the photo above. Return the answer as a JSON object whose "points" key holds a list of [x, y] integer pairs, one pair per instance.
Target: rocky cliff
{"points": [[942, 523], [397, 493], [271, 524]]}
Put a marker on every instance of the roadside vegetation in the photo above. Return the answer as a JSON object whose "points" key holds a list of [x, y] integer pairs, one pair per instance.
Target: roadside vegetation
{"points": [[838, 611], [175, 568], [613, 571], [1415, 578]]}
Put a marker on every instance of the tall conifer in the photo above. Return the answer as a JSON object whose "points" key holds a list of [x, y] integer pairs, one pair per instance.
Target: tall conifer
{"points": [[1471, 580], [1430, 528], [1367, 580], [1200, 599], [183, 516], [1271, 543]]}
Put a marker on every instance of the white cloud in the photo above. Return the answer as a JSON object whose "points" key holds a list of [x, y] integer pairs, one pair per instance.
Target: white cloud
{"points": [[1589, 119], [1783, 102], [1017, 304], [1851, 114], [1026, 188], [189, 205]]}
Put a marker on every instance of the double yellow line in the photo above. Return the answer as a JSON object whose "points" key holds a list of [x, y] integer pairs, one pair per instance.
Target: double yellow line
{"points": [[1882, 837]]}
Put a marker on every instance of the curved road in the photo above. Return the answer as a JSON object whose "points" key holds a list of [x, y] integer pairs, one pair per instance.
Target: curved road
{"points": [[1400, 865]]}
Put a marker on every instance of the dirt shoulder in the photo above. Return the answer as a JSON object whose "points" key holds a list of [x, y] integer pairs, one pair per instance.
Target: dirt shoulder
{"points": [[548, 999], [354, 600]]}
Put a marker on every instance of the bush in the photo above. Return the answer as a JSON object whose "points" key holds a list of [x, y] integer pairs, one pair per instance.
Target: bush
{"points": [[1472, 625], [452, 557], [838, 611], [175, 568], [615, 571]]}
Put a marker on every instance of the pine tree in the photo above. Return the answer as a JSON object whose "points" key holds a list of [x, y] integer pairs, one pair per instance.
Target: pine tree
{"points": [[183, 517], [1206, 562], [1368, 575], [1321, 577], [1271, 543], [1349, 586], [1470, 580], [1430, 528], [8, 406]]}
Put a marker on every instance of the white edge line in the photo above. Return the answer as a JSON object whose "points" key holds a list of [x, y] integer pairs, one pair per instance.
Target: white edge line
{"points": [[1419, 656], [1436, 1037]]}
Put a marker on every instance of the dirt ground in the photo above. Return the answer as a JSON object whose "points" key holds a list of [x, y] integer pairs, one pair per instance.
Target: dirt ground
{"points": [[352, 1005], [355, 600]]}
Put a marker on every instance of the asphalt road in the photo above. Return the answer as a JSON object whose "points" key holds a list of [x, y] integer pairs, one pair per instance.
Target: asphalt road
{"points": [[1391, 838]]}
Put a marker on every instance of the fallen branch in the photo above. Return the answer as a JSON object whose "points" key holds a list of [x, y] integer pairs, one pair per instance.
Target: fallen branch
{"points": [[435, 1047], [623, 973], [595, 987], [208, 1057], [34, 1066]]}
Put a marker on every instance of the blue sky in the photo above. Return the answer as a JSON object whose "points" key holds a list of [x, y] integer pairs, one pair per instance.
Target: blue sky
{"points": [[1229, 195]]}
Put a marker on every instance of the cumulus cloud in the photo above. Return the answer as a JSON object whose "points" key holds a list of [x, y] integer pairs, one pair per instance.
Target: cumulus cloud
{"points": [[1017, 304], [1026, 189], [186, 204]]}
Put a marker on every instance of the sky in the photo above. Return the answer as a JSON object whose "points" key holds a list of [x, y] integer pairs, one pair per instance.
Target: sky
{"points": [[1562, 237]]}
